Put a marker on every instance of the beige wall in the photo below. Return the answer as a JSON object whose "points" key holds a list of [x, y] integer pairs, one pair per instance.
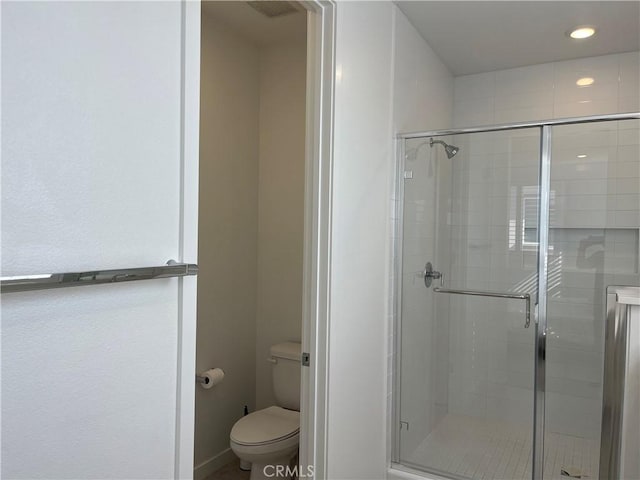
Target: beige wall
{"points": [[227, 232], [281, 205], [251, 224]]}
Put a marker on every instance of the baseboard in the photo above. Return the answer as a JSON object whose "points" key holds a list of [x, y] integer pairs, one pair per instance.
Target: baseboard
{"points": [[207, 467]]}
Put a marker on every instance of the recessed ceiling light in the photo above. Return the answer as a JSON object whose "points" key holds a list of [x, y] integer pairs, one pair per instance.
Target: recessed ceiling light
{"points": [[582, 32], [582, 155], [585, 81]]}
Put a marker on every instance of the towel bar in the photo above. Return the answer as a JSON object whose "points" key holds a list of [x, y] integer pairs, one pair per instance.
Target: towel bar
{"points": [[481, 293], [27, 283]]}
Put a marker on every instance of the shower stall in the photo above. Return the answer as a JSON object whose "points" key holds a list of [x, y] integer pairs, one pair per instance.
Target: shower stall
{"points": [[507, 238]]}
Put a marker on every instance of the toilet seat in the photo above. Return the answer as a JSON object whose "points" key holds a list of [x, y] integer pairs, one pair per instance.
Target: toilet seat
{"points": [[267, 426]]}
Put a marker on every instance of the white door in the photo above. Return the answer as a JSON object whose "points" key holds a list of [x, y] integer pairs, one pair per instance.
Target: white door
{"points": [[99, 171]]}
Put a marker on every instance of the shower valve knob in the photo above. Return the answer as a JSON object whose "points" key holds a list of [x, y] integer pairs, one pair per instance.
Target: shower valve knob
{"points": [[430, 274]]}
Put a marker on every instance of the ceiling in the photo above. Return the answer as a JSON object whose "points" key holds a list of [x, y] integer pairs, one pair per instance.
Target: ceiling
{"points": [[479, 36], [256, 27]]}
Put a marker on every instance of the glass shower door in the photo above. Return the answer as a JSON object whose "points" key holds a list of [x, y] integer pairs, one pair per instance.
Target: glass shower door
{"points": [[593, 243], [466, 367]]}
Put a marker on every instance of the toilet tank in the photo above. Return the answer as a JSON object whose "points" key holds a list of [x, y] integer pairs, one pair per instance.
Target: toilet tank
{"points": [[286, 374]]}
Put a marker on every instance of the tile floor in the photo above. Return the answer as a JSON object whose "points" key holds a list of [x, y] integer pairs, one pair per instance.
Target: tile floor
{"points": [[475, 448]]}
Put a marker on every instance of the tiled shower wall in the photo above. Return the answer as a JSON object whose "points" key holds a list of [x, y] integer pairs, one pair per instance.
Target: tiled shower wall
{"points": [[595, 220], [548, 90]]}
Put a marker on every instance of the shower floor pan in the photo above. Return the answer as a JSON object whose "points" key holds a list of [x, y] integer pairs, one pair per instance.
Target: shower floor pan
{"points": [[470, 447]]}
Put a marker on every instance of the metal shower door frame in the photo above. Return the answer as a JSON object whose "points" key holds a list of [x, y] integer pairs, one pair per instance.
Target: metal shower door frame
{"points": [[619, 302], [544, 186]]}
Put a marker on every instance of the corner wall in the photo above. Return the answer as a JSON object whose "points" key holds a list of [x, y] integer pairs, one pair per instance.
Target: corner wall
{"points": [[423, 100], [281, 205], [228, 221], [359, 291], [387, 80]]}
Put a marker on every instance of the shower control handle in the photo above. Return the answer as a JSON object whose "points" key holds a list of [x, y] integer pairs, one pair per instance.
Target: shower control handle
{"points": [[429, 275]]}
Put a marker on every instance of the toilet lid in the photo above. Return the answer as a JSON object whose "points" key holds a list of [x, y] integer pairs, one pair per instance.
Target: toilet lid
{"points": [[266, 426]]}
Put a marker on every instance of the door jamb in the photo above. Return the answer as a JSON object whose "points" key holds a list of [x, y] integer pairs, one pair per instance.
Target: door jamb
{"points": [[188, 237], [317, 235], [321, 21]]}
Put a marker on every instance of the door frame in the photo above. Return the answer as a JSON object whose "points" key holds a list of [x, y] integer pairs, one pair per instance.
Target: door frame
{"points": [[321, 19], [188, 239]]}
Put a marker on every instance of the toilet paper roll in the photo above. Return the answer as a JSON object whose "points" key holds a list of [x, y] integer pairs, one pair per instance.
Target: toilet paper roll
{"points": [[212, 377]]}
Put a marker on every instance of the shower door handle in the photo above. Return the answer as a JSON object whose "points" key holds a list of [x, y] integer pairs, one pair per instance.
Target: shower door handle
{"points": [[481, 293]]}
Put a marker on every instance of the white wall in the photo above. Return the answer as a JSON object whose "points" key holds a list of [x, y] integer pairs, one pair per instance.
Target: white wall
{"points": [[281, 205], [388, 80], [363, 159], [228, 236], [422, 85], [91, 147], [597, 196], [362, 183]]}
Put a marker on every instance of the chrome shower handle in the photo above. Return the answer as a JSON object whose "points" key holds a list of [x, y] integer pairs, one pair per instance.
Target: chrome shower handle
{"points": [[429, 275]]}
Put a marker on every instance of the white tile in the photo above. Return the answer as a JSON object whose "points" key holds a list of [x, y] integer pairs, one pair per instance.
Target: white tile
{"points": [[585, 107], [582, 202], [628, 136], [583, 155], [469, 87], [603, 69], [478, 111], [596, 91], [629, 103], [500, 446], [627, 219], [632, 124], [525, 79], [586, 128], [627, 186], [581, 219], [508, 115], [579, 140], [629, 73], [627, 202], [573, 415], [524, 99], [625, 169], [522, 144], [600, 186], [629, 153], [580, 170]]}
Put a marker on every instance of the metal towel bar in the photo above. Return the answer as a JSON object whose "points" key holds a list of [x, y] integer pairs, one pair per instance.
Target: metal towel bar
{"points": [[480, 293], [26, 283]]}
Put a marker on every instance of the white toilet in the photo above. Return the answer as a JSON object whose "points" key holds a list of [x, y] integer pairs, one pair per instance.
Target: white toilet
{"points": [[269, 438]]}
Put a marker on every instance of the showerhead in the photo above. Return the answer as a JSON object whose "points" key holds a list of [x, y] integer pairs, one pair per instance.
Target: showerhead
{"points": [[450, 150]]}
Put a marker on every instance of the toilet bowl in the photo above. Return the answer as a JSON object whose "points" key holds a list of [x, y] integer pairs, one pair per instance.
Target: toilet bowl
{"points": [[269, 438]]}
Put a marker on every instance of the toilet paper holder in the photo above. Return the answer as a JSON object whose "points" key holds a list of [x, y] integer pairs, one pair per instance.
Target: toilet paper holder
{"points": [[210, 378]]}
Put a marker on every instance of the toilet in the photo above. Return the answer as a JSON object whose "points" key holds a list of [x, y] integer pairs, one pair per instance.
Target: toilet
{"points": [[269, 438]]}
